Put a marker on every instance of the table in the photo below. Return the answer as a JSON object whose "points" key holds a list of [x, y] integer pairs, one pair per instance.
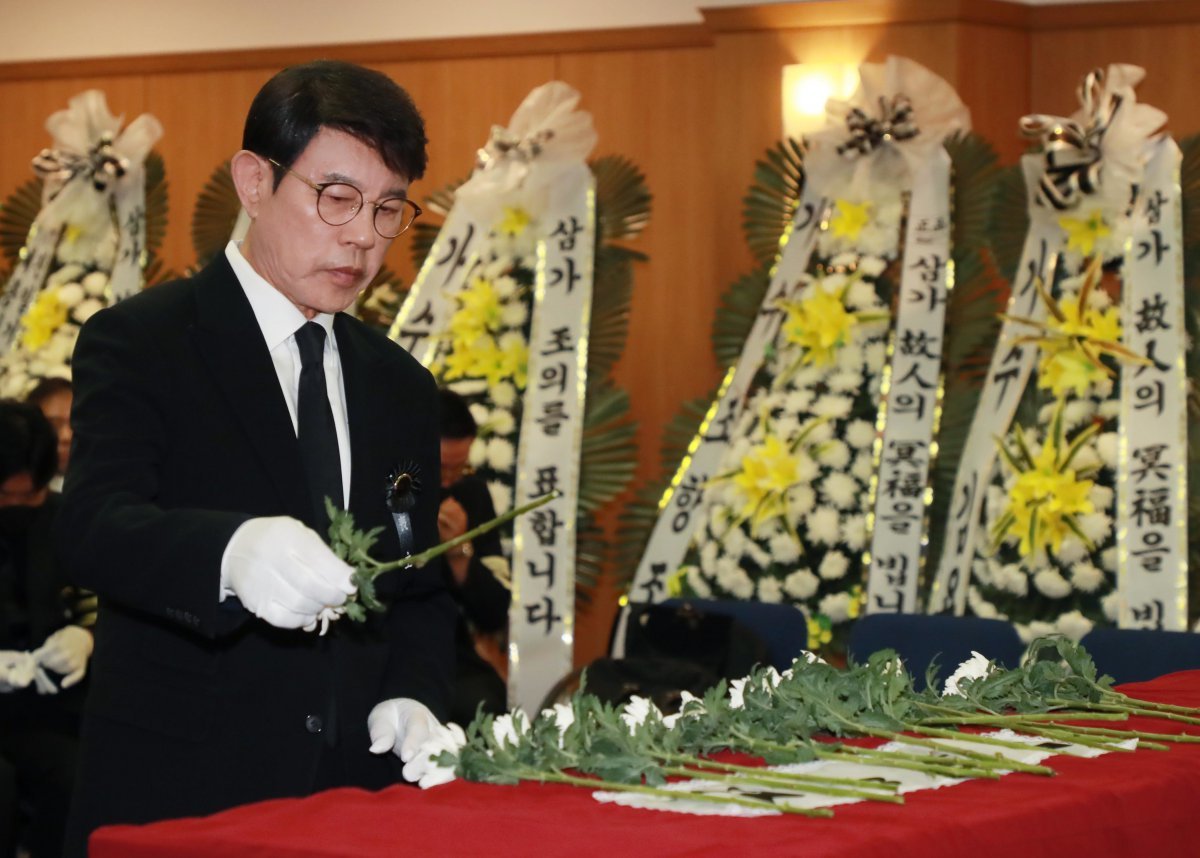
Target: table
{"points": [[1121, 804]]}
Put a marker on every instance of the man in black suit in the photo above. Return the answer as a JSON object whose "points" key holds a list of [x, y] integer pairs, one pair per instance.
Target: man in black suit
{"points": [[212, 417]]}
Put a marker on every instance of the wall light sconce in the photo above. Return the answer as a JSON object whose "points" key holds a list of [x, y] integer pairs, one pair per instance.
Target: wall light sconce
{"points": [[806, 88]]}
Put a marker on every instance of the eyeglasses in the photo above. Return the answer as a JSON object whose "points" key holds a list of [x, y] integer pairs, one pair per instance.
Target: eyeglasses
{"points": [[338, 203]]}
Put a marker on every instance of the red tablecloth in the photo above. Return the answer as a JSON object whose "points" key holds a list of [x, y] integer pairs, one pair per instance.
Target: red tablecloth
{"points": [[1144, 803]]}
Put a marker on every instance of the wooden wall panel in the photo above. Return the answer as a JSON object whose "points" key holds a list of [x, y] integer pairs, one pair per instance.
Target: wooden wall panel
{"points": [[1169, 54]]}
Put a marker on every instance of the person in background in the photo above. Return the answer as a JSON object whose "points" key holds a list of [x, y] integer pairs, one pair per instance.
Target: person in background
{"points": [[45, 641], [214, 419], [53, 396], [477, 572]]}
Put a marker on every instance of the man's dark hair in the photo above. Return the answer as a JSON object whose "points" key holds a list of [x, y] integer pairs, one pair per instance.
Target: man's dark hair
{"points": [[27, 443], [46, 388], [299, 101], [457, 421]]}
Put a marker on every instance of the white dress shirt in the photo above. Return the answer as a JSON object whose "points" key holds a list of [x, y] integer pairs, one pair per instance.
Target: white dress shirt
{"points": [[279, 319]]}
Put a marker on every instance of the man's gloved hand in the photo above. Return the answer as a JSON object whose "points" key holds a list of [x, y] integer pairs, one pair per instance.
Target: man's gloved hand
{"points": [[19, 669], [67, 652], [283, 572], [407, 728]]}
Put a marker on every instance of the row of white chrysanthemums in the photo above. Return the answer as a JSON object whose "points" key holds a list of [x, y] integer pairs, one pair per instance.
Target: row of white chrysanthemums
{"points": [[1005, 585], [827, 507]]}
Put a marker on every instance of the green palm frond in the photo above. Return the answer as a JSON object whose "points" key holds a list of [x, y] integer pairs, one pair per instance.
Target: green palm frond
{"points": [[769, 205], [622, 198], [17, 216], [736, 315], [591, 553], [1010, 221], [215, 215], [608, 457], [425, 231], [157, 207], [639, 516], [612, 299]]}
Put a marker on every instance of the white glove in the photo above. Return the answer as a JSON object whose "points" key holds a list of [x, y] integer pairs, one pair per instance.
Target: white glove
{"points": [[67, 652], [404, 727], [19, 669], [283, 572]]}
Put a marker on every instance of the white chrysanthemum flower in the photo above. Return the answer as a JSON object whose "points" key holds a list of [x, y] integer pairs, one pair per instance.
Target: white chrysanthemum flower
{"points": [[468, 386], [756, 554], [87, 308], [718, 521], [1050, 584], [697, 583], [1086, 458], [863, 467], [477, 455], [808, 376], [860, 434], [501, 422], [1073, 624], [708, 557], [798, 401], [833, 565], [737, 689], [799, 501], [854, 532], [823, 525], [69, 294], [70, 273], [500, 454], [984, 570], [872, 266], [830, 405], [509, 729], [1108, 559], [980, 607], [638, 711], [1077, 412], [801, 584], [1071, 550], [1036, 629], [860, 295], [770, 590], [785, 426], [514, 314], [785, 549], [1106, 447], [563, 715], [874, 356], [848, 259], [479, 413], [1109, 408], [834, 454], [504, 394], [836, 606], [849, 358], [735, 542], [505, 286], [845, 381], [1096, 526], [820, 432], [1014, 580], [1111, 606], [501, 496], [1101, 497], [976, 667], [1086, 577], [841, 490], [733, 579]]}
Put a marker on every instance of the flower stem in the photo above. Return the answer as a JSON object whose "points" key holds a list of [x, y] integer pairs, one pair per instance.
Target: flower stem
{"points": [[765, 779], [781, 775]]}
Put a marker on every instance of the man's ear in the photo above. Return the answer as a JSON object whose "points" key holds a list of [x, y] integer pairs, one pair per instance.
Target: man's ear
{"points": [[253, 178]]}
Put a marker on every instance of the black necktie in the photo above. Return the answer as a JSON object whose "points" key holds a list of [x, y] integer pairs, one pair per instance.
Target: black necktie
{"points": [[317, 433]]}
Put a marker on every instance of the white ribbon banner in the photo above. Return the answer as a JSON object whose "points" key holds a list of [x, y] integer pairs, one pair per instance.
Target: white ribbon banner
{"points": [[542, 613], [26, 280], [912, 394], [685, 495], [1152, 464], [1007, 376]]}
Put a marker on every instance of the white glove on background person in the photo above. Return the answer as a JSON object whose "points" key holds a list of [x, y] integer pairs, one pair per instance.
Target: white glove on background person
{"points": [[19, 669], [403, 725], [67, 652], [284, 573]]}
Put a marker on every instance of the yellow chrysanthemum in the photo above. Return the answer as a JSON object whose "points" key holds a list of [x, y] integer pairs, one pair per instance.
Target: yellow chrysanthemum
{"points": [[1083, 234], [480, 307], [1069, 371], [1042, 500], [675, 582], [820, 324], [45, 316], [766, 473], [514, 363], [819, 633], [513, 222], [849, 218]]}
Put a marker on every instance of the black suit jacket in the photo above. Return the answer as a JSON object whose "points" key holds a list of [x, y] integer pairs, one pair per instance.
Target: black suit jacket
{"points": [[181, 435]]}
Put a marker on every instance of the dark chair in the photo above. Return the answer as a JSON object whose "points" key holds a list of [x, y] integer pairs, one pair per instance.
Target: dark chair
{"points": [[1133, 655], [919, 639], [782, 628]]}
